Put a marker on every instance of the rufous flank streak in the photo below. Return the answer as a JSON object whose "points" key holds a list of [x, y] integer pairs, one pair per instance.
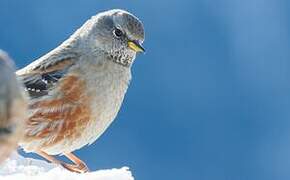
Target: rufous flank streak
{"points": [[70, 110]]}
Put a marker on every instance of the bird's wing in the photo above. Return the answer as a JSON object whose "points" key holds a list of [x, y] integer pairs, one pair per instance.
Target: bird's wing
{"points": [[41, 75], [56, 59]]}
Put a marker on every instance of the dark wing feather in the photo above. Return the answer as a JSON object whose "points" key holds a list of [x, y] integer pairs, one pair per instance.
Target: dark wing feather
{"points": [[38, 85], [42, 75]]}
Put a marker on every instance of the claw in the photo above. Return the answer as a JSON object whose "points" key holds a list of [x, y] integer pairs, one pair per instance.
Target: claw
{"points": [[77, 168]]}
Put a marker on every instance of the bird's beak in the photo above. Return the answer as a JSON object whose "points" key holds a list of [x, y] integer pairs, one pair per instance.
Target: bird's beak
{"points": [[136, 46]]}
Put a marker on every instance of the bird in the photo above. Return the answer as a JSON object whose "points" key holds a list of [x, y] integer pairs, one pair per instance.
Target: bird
{"points": [[12, 107], [77, 89]]}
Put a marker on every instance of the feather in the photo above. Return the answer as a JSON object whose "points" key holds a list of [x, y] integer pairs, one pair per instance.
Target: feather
{"points": [[43, 74]]}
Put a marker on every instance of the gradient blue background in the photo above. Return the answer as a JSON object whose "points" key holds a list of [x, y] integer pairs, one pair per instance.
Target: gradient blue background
{"points": [[210, 100]]}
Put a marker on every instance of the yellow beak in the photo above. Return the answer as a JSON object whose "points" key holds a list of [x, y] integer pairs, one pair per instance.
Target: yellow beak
{"points": [[136, 46]]}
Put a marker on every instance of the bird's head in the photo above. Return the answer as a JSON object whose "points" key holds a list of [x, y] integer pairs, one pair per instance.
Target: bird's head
{"points": [[117, 33]]}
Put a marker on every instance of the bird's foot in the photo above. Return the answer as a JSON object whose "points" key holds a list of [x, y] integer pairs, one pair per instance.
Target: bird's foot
{"points": [[78, 165], [78, 168]]}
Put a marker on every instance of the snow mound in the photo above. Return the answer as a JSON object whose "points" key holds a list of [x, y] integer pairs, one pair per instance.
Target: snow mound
{"points": [[20, 168]]}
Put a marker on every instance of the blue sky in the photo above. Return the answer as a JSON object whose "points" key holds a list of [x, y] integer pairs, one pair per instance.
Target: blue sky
{"points": [[210, 99]]}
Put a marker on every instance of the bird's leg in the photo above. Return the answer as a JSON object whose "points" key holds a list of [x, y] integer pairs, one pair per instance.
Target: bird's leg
{"points": [[49, 157], [78, 166]]}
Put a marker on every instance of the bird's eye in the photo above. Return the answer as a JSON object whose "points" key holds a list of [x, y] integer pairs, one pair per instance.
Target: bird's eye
{"points": [[117, 32]]}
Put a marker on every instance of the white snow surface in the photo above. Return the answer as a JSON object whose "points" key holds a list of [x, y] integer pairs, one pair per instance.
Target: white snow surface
{"points": [[20, 168]]}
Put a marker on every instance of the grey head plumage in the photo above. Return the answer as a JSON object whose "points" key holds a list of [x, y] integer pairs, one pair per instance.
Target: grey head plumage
{"points": [[116, 33], [8, 86], [12, 107], [10, 91], [7, 82]]}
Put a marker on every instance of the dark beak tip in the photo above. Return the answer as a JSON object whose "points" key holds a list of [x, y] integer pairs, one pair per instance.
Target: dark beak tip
{"points": [[143, 50]]}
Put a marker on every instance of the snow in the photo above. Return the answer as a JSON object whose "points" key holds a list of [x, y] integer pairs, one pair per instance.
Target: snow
{"points": [[18, 167]]}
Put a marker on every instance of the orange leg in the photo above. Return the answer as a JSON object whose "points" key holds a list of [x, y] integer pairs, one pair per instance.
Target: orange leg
{"points": [[79, 166], [49, 157]]}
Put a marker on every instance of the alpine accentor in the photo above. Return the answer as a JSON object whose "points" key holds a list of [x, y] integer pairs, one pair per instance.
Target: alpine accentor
{"points": [[77, 89]]}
